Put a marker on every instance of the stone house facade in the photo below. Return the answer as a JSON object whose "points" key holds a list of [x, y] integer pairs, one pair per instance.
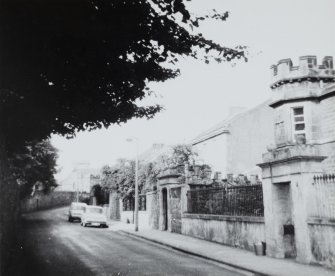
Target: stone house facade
{"points": [[298, 171], [304, 92], [235, 145]]}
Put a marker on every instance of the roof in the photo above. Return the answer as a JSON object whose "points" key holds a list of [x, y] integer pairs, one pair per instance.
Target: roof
{"points": [[223, 126]]}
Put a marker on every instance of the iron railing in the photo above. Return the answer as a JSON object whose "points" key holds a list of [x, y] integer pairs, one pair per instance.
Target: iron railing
{"points": [[321, 201], [129, 203], [327, 177], [232, 201]]}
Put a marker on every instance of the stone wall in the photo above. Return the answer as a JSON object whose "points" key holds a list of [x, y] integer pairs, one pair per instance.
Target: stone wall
{"points": [[41, 201], [249, 135], [322, 236], [153, 209], [241, 232], [115, 205], [208, 152], [327, 142]]}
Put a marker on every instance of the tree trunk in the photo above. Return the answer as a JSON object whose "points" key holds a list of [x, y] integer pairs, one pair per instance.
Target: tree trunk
{"points": [[9, 211]]}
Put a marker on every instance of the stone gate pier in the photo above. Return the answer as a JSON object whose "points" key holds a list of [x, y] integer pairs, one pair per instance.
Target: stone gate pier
{"points": [[172, 200], [287, 184]]}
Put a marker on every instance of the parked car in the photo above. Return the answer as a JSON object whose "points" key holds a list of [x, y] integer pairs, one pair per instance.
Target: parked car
{"points": [[94, 216], [76, 210]]}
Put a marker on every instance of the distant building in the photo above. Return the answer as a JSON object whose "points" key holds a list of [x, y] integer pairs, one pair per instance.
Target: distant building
{"points": [[82, 178], [153, 152]]}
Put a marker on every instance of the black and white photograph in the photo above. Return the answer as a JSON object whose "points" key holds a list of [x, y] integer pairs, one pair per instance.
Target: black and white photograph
{"points": [[167, 137]]}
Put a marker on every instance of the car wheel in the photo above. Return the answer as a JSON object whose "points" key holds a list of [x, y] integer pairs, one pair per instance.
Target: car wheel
{"points": [[85, 225], [70, 219]]}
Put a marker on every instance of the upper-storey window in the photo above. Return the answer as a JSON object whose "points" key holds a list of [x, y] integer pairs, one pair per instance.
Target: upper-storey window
{"points": [[328, 63], [299, 127], [311, 62]]}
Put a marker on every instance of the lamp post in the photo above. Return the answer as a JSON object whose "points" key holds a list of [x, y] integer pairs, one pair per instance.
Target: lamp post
{"points": [[136, 182]]}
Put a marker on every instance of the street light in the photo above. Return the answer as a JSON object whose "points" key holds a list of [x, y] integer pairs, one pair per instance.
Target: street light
{"points": [[136, 182]]}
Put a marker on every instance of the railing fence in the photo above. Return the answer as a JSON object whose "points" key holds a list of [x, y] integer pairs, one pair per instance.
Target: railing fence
{"points": [[232, 201], [129, 203], [322, 203]]}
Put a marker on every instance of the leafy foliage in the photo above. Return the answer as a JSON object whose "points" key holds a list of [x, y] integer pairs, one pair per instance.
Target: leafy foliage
{"points": [[121, 176], [36, 164], [69, 65]]}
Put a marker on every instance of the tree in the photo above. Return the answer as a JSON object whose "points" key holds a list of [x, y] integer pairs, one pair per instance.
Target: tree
{"points": [[74, 65], [179, 155], [121, 176], [36, 164]]}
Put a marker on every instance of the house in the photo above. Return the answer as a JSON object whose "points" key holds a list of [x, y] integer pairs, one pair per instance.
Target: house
{"points": [[301, 110], [235, 145], [81, 178]]}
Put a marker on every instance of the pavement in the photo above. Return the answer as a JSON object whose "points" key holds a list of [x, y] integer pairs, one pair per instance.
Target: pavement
{"points": [[230, 256]]}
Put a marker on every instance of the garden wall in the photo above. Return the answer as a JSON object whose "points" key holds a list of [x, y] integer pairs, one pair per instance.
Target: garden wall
{"points": [[153, 209], [241, 232], [322, 236]]}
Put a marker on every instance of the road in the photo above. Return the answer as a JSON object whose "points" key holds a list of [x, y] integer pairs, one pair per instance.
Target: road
{"points": [[53, 246]]}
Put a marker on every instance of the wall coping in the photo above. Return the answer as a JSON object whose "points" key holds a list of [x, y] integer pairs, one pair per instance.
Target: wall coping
{"points": [[224, 218], [292, 159], [151, 193], [317, 98], [321, 221], [133, 211]]}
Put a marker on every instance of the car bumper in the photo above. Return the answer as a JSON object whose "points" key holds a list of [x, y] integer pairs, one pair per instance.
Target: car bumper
{"points": [[96, 223], [75, 217]]}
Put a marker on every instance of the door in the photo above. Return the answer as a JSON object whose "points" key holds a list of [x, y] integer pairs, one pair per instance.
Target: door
{"points": [[165, 209]]}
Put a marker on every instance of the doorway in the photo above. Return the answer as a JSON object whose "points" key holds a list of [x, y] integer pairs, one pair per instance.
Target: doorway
{"points": [[165, 209], [283, 211]]}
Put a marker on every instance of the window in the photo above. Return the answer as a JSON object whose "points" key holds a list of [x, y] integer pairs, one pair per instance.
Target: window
{"points": [[311, 62], [299, 131]]}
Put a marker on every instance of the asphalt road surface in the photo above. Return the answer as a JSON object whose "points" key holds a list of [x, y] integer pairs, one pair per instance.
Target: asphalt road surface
{"points": [[53, 246]]}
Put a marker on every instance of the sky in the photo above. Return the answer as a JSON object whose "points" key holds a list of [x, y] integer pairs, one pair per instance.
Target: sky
{"points": [[203, 94]]}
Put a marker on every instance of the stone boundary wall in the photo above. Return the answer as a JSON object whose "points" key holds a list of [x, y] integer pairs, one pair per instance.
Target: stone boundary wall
{"points": [[322, 236], [241, 232], [41, 201], [153, 209]]}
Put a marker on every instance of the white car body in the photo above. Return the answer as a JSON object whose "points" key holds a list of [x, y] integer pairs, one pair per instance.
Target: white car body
{"points": [[76, 210], [94, 216]]}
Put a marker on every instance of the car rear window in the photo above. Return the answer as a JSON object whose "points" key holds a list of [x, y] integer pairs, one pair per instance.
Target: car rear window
{"points": [[94, 210], [82, 208]]}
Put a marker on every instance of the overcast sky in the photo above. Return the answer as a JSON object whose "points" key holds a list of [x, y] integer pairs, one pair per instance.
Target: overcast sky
{"points": [[201, 96]]}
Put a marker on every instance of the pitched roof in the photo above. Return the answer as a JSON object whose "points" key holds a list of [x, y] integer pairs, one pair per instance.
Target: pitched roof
{"points": [[223, 126]]}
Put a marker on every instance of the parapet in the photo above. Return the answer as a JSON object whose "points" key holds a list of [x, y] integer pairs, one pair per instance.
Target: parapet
{"points": [[308, 70]]}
